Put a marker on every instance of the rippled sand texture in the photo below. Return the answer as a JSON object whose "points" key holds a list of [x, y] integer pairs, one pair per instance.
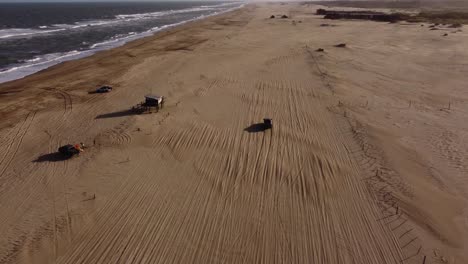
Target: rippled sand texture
{"points": [[361, 166]]}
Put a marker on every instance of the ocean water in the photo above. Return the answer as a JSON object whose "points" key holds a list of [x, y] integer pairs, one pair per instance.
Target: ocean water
{"points": [[35, 36]]}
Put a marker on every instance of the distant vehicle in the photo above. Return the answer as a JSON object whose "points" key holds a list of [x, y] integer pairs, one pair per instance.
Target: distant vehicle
{"points": [[104, 89], [71, 150], [260, 127], [268, 123]]}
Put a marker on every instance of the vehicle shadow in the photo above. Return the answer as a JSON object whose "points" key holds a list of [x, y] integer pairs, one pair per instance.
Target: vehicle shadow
{"points": [[128, 112], [51, 157], [255, 128]]}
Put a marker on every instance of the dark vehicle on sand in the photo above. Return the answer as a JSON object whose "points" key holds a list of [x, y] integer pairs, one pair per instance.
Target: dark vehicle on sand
{"points": [[71, 150], [268, 123], [104, 89]]}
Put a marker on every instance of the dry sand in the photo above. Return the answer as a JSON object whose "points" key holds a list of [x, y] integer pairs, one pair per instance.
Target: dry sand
{"points": [[365, 163]]}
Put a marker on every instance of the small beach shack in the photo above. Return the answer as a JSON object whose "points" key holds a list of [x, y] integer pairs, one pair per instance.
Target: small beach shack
{"points": [[152, 100]]}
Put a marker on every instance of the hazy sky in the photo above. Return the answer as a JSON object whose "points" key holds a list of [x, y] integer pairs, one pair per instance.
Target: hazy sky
{"points": [[66, 1]]}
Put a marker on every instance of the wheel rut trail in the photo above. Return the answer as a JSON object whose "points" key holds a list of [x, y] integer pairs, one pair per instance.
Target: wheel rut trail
{"points": [[14, 141], [202, 181], [43, 212], [380, 179], [211, 192]]}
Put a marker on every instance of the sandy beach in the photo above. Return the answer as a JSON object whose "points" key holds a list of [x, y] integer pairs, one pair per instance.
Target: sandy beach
{"points": [[367, 161]]}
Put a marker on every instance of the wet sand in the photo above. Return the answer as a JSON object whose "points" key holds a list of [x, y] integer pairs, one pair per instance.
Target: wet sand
{"points": [[366, 161]]}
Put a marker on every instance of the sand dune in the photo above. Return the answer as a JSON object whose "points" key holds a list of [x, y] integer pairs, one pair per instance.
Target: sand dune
{"points": [[363, 165]]}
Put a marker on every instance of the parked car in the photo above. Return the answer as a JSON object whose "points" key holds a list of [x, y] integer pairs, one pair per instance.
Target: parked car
{"points": [[104, 89], [71, 150]]}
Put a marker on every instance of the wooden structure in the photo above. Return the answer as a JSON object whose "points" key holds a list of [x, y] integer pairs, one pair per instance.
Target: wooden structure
{"points": [[152, 102]]}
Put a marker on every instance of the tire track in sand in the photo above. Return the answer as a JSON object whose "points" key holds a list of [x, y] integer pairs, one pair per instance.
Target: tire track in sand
{"points": [[379, 178], [15, 142]]}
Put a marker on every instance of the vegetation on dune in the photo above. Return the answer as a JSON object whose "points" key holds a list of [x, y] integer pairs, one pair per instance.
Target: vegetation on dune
{"points": [[440, 17], [455, 14], [426, 5]]}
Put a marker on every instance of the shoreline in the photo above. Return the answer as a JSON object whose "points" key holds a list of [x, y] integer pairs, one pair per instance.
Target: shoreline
{"points": [[90, 52], [29, 88]]}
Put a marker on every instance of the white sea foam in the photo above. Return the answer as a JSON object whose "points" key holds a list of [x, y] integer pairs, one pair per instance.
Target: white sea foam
{"points": [[171, 12], [45, 61], [163, 13], [30, 32], [38, 64], [24, 32]]}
